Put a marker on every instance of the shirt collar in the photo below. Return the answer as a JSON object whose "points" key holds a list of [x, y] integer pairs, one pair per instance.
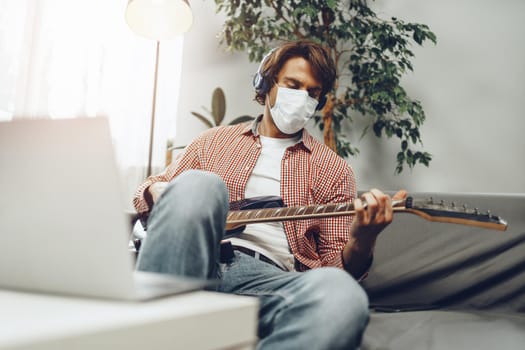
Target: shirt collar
{"points": [[306, 139]]}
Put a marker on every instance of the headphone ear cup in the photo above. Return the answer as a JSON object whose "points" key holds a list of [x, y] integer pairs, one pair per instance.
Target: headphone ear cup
{"points": [[260, 82], [257, 81], [322, 102], [265, 86]]}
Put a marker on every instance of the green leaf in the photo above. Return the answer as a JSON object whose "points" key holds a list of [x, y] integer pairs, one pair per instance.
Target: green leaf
{"points": [[218, 106], [241, 119], [365, 131], [378, 127], [203, 119], [373, 55], [331, 4]]}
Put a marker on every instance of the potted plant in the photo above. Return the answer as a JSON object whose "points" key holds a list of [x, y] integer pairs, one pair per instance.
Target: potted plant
{"points": [[371, 55], [218, 111]]}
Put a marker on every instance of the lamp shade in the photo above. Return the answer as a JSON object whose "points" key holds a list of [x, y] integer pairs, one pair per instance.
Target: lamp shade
{"points": [[159, 19]]}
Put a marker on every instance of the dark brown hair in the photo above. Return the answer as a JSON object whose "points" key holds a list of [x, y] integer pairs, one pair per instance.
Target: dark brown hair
{"points": [[323, 66]]}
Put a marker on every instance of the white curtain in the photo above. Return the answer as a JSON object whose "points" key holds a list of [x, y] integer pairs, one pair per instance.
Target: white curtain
{"points": [[67, 59]]}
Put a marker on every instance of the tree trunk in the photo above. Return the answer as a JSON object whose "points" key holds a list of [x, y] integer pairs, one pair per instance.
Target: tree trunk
{"points": [[328, 132]]}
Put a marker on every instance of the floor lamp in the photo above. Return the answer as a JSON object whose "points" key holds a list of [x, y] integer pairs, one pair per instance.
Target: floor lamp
{"points": [[158, 20]]}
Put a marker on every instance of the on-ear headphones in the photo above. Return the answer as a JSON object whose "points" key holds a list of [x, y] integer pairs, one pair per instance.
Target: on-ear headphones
{"points": [[262, 85]]}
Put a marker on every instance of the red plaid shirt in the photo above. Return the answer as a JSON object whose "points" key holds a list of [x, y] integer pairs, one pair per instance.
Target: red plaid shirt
{"points": [[311, 173]]}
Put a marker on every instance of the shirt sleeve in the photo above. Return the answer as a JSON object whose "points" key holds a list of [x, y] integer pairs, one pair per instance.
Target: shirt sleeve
{"points": [[189, 159], [335, 231]]}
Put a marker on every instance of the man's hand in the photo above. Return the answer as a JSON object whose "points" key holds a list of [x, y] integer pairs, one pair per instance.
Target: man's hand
{"points": [[155, 190], [374, 212]]}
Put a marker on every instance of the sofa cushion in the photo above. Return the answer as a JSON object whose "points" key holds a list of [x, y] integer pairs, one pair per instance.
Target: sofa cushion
{"points": [[437, 264], [445, 330]]}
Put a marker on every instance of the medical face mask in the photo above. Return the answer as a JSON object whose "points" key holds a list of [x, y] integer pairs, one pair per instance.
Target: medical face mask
{"points": [[292, 109]]}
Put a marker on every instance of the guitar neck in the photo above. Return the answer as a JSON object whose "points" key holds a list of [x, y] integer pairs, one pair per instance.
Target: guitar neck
{"points": [[437, 212], [238, 218]]}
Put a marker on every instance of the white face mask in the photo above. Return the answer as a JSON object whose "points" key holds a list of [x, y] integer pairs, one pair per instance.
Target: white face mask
{"points": [[292, 109]]}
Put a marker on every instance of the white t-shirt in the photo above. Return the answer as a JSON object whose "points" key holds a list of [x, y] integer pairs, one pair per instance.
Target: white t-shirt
{"points": [[268, 239]]}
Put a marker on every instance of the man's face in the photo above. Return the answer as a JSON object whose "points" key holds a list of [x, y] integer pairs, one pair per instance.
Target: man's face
{"points": [[296, 74]]}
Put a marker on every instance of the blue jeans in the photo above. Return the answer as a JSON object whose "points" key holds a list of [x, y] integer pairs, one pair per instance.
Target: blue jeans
{"points": [[323, 308]]}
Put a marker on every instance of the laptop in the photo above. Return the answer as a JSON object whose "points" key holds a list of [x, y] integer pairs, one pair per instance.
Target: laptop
{"points": [[62, 220]]}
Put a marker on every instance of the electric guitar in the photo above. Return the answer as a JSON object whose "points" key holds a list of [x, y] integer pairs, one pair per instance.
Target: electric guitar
{"points": [[271, 209]]}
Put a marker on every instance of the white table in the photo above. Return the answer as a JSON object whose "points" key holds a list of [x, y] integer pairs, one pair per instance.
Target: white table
{"points": [[199, 320]]}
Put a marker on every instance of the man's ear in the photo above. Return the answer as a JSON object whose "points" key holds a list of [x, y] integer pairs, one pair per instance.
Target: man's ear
{"points": [[271, 95]]}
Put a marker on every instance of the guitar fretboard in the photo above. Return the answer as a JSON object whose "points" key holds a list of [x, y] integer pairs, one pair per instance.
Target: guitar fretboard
{"points": [[237, 217]]}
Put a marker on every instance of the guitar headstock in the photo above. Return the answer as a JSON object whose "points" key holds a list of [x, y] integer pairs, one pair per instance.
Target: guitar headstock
{"points": [[453, 213]]}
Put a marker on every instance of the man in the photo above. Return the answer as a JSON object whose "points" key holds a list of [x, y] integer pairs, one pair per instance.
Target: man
{"points": [[304, 272]]}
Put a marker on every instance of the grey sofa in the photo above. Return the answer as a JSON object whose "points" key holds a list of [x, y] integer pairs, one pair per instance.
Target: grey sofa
{"points": [[447, 286]]}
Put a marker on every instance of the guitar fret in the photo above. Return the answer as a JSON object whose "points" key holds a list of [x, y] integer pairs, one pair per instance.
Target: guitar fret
{"points": [[234, 215], [309, 209], [330, 208], [319, 209], [341, 207], [253, 215], [300, 211], [289, 211]]}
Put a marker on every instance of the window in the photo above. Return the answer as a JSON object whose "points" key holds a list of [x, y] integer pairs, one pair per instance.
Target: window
{"points": [[67, 59]]}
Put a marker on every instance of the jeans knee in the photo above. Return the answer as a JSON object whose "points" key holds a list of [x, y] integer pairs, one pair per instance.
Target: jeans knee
{"points": [[196, 192], [339, 295], [194, 202]]}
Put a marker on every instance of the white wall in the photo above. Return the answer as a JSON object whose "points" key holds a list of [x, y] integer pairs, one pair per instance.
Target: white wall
{"points": [[471, 85], [207, 65]]}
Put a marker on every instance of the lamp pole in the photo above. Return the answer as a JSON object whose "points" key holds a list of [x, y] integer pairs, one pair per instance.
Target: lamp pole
{"points": [[157, 19], [153, 106]]}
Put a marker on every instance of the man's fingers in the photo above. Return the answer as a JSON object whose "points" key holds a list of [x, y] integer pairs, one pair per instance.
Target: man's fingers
{"points": [[371, 207], [401, 194], [384, 208], [360, 210], [378, 209]]}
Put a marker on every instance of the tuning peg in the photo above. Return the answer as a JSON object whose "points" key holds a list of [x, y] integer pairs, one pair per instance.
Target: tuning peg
{"points": [[442, 203], [476, 211], [464, 207], [431, 200], [488, 213], [453, 205]]}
